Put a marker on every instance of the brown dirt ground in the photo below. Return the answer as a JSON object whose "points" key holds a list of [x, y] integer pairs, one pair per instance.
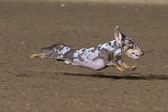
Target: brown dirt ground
{"points": [[37, 85]]}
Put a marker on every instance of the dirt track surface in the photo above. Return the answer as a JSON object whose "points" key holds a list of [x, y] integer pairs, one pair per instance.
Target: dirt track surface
{"points": [[37, 85]]}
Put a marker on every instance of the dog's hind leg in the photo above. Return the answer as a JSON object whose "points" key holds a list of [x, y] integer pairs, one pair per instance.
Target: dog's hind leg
{"points": [[56, 51], [40, 55]]}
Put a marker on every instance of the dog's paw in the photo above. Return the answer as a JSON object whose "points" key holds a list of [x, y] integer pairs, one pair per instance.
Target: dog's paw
{"points": [[41, 55], [33, 56], [132, 68]]}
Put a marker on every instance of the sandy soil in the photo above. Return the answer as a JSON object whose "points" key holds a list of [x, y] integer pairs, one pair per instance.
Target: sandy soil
{"points": [[38, 85]]}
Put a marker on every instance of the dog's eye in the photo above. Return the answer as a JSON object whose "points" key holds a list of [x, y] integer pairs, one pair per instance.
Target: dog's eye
{"points": [[130, 44]]}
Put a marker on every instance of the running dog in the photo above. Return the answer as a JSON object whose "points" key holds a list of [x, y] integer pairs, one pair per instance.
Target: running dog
{"points": [[99, 57]]}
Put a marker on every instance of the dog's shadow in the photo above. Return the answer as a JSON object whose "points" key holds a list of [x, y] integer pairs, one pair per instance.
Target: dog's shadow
{"points": [[126, 76]]}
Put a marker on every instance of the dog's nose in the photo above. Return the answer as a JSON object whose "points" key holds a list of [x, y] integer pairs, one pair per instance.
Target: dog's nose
{"points": [[142, 53]]}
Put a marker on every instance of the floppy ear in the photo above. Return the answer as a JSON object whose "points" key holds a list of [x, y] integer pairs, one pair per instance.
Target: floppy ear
{"points": [[117, 35]]}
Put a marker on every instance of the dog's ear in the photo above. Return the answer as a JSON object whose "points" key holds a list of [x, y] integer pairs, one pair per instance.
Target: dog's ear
{"points": [[118, 35]]}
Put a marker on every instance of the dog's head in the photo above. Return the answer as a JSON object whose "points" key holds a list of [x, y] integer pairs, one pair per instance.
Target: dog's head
{"points": [[129, 46]]}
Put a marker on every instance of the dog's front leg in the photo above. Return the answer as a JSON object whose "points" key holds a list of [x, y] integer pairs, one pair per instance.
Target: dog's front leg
{"points": [[122, 66], [119, 67], [128, 68]]}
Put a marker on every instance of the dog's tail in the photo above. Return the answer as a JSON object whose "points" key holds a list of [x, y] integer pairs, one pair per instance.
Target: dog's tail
{"points": [[53, 46]]}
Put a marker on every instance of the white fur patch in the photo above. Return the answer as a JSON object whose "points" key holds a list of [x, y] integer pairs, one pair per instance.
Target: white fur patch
{"points": [[96, 64]]}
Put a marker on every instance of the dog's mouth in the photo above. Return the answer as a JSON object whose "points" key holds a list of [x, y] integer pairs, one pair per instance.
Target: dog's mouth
{"points": [[134, 56]]}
